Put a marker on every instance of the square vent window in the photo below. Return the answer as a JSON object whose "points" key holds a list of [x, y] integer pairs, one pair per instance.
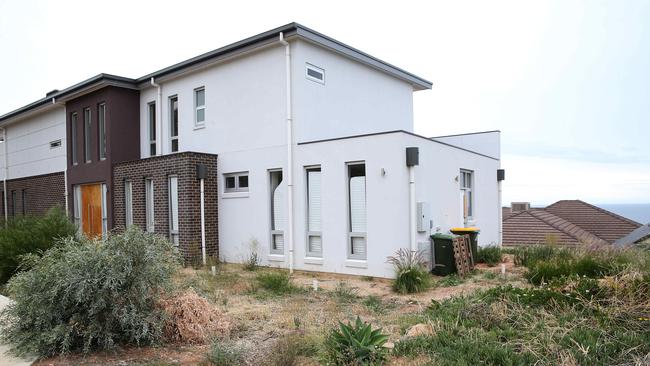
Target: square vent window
{"points": [[54, 144], [314, 73]]}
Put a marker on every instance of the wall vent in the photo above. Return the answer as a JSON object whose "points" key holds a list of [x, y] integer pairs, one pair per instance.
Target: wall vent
{"points": [[54, 144]]}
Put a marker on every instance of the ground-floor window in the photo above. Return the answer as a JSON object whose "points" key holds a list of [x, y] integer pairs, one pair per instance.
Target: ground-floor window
{"points": [[76, 201], [357, 210], [278, 190], [173, 209], [149, 204], [104, 212], [24, 199], [314, 234], [128, 203]]}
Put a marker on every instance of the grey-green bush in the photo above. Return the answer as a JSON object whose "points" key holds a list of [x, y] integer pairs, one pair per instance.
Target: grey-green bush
{"points": [[411, 274], [86, 295], [490, 255], [30, 235]]}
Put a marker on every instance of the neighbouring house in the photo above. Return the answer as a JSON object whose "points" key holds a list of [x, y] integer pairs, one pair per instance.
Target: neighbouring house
{"points": [[639, 236], [289, 143], [566, 222]]}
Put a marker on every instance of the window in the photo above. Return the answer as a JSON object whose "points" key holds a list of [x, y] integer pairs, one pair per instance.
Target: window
{"points": [[23, 194], [314, 73], [149, 206], [87, 139], [77, 206], [173, 123], [173, 209], [199, 107], [54, 144], [13, 203], [314, 237], [152, 128], [104, 212], [73, 137], [128, 202], [236, 182], [467, 198], [101, 123], [278, 191], [357, 210]]}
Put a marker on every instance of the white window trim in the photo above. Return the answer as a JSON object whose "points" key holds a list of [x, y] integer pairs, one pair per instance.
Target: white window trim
{"points": [[277, 253], [150, 217], [353, 234], [151, 123], [128, 203], [310, 234], [174, 234], [173, 138], [198, 124], [471, 190], [237, 189], [317, 69]]}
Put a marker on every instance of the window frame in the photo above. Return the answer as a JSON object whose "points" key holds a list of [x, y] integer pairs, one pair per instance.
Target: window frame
{"points": [[151, 127], [237, 188], [104, 189], [74, 120], [173, 138], [174, 231], [128, 203], [87, 135], [464, 188], [317, 69], [197, 107], [149, 197], [313, 233], [275, 232], [356, 234], [101, 124]]}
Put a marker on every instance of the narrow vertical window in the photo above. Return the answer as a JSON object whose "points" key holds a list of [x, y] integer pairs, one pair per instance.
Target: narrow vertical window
{"points": [[314, 238], [173, 209], [101, 124], [73, 137], [128, 203], [152, 128], [199, 107], [149, 206], [77, 205], [278, 190], [104, 212], [173, 123], [23, 193], [87, 138], [467, 198], [357, 248], [13, 203]]}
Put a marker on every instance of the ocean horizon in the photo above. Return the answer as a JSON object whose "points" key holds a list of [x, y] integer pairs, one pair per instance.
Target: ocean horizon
{"points": [[639, 212]]}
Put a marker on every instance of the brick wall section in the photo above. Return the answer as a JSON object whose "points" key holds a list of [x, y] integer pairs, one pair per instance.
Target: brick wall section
{"points": [[42, 192], [159, 168]]}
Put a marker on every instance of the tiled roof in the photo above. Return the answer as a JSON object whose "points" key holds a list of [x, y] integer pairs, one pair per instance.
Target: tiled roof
{"points": [[635, 236], [505, 212], [537, 226], [602, 223]]}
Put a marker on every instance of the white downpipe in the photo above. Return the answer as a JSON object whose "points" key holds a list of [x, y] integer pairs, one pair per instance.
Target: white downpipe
{"points": [[203, 222], [158, 117], [412, 208], [287, 57], [4, 180]]}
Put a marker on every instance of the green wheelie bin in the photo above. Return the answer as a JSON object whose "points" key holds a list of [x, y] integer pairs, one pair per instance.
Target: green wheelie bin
{"points": [[443, 254]]}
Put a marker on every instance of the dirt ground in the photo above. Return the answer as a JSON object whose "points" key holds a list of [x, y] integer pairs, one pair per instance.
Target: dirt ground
{"points": [[260, 320]]}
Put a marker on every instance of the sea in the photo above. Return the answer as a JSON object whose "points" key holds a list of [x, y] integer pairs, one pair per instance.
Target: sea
{"points": [[639, 212]]}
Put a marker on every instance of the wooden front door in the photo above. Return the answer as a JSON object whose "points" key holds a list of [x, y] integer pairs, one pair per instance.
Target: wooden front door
{"points": [[91, 210]]}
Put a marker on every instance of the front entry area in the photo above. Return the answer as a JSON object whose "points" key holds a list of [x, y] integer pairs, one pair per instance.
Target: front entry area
{"points": [[90, 209]]}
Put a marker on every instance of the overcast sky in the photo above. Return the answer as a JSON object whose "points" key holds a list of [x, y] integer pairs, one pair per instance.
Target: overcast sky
{"points": [[567, 82]]}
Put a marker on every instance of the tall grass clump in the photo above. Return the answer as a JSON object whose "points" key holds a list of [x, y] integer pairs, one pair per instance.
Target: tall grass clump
{"points": [[411, 274], [490, 255], [30, 235], [84, 295], [277, 283]]}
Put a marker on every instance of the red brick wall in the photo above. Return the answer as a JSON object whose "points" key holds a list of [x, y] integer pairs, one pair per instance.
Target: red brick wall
{"points": [[159, 168], [42, 192]]}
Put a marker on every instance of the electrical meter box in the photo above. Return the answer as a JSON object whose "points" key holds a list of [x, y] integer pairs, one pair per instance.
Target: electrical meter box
{"points": [[423, 217]]}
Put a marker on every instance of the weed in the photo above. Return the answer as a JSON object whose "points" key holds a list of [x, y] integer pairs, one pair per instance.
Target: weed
{"points": [[374, 304], [490, 275], [410, 273], [450, 281], [547, 270], [490, 255], [356, 344], [290, 347], [368, 278], [344, 293], [224, 354], [276, 283], [253, 259]]}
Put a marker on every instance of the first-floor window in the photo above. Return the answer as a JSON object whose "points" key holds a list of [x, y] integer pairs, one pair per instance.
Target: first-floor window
{"points": [[128, 202], [466, 195], [278, 190], [314, 237], [149, 205], [104, 212], [357, 210], [173, 209]]}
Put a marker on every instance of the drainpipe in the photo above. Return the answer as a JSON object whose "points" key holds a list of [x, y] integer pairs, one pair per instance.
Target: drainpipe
{"points": [[65, 180], [287, 57], [158, 117], [4, 180], [412, 160]]}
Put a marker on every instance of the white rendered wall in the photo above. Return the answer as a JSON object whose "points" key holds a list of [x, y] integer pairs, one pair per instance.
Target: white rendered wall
{"points": [[487, 143], [245, 217], [28, 145]]}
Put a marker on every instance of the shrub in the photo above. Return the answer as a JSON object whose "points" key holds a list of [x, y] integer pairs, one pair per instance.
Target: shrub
{"points": [[290, 347], [30, 235], [490, 255], [344, 293], [278, 283], [224, 354], [410, 272], [587, 266], [528, 256], [91, 295], [356, 344]]}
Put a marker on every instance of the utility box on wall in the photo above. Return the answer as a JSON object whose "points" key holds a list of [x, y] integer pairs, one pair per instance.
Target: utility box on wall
{"points": [[423, 217]]}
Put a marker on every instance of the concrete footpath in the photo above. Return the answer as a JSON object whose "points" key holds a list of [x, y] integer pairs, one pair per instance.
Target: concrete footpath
{"points": [[5, 359]]}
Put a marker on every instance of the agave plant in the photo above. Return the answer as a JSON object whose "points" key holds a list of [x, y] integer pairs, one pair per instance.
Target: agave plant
{"points": [[356, 344]]}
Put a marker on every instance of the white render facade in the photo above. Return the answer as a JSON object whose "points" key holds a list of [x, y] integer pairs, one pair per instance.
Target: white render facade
{"points": [[351, 119]]}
